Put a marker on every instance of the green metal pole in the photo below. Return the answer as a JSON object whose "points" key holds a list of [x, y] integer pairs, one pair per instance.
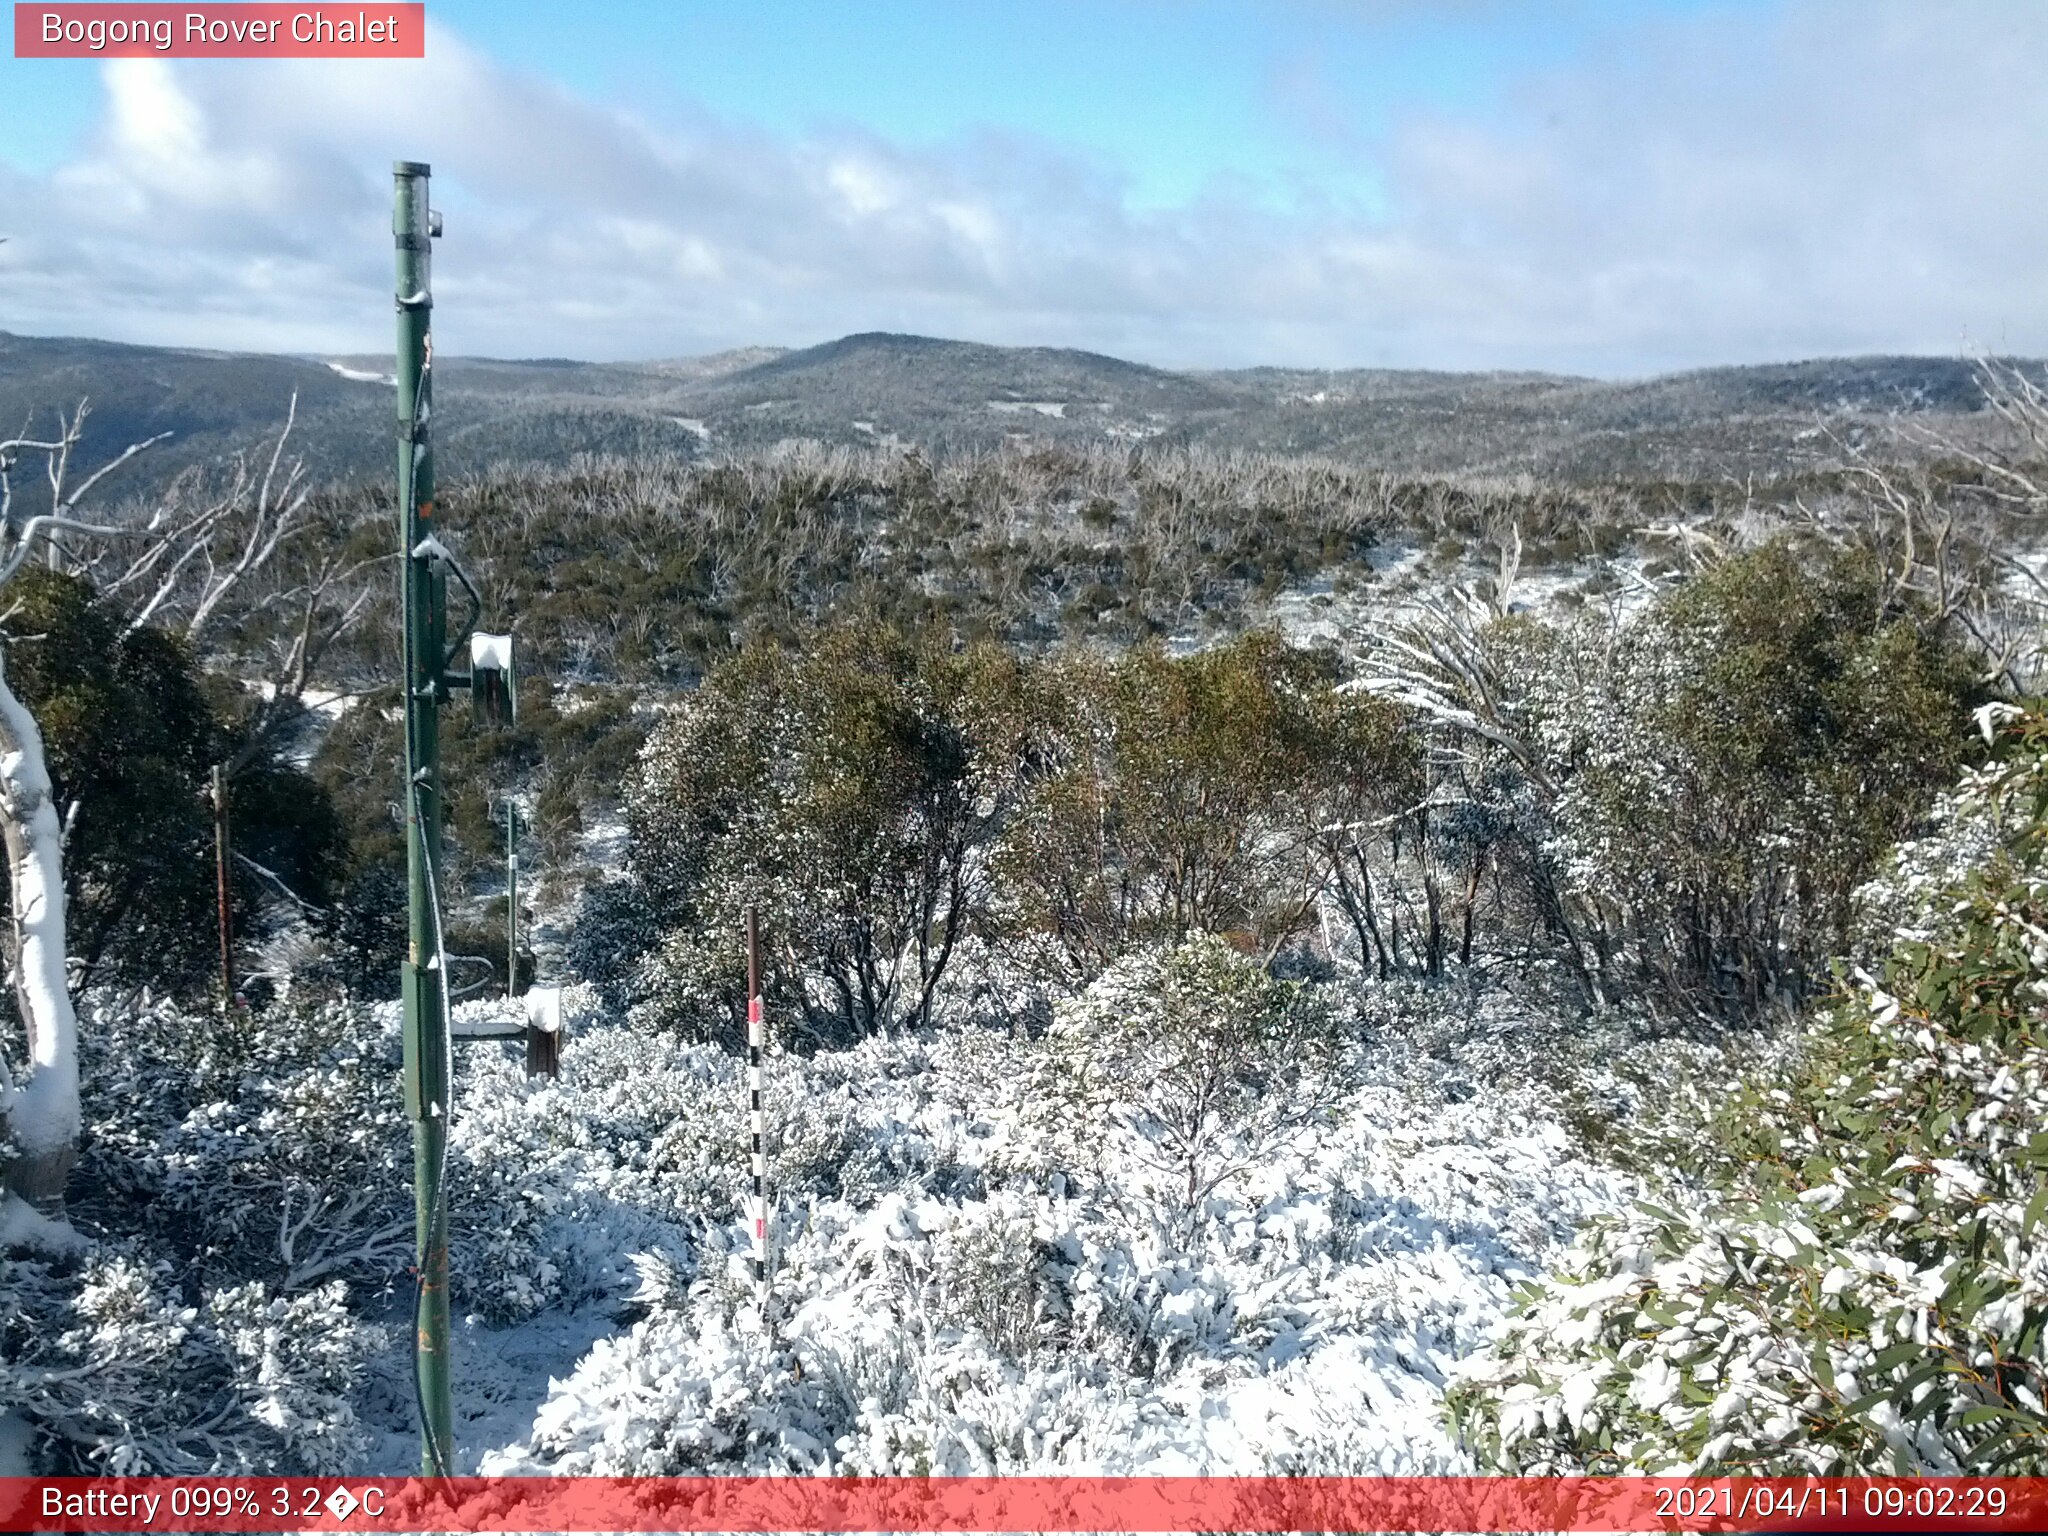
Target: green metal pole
{"points": [[511, 898], [424, 608]]}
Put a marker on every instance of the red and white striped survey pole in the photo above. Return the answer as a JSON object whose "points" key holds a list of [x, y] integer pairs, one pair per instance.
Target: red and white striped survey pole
{"points": [[757, 1031]]}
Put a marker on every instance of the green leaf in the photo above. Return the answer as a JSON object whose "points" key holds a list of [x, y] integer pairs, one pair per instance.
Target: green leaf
{"points": [[2036, 1209]]}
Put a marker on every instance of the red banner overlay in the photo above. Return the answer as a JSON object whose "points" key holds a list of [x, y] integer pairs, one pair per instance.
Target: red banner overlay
{"points": [[1003, 1504], [368, 29]]}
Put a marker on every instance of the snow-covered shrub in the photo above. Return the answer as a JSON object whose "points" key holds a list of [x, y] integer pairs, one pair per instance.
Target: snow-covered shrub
{"points": [[1683, 801], [270, 1146], [1963, 832], [554, 1184], [1863, 1286], [117, 1373], [660, 1400], [611, 933], [971, 1319], [253, 1168], [1197, 1061], [992, 1276]]}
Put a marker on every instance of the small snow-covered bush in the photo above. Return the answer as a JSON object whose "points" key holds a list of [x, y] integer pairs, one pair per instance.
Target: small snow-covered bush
{"points": [[665, 1401], [117, 1374], [270, 1146], [642, 1142], [992, 1277], [1196, 1059], [1864, 1286]]}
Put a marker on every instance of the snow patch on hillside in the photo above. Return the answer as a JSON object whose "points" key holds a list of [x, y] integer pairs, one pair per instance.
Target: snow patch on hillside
{"points": [[362, 376]]}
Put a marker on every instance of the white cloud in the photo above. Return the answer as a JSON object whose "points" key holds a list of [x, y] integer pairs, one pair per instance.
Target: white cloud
{"points": [[1734, 185]]}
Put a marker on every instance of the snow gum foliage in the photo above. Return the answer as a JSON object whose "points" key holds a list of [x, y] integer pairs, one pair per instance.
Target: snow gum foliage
{"points": [[889, 801], [1187, 794], [1722, 773], [1848, 1272], [131, 725], [840, 788]]}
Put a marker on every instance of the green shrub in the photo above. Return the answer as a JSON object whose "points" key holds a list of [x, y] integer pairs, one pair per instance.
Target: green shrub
{"points": [[840, 788], [1185, 794], [1863, 1285], [1729, 767], [1194, 1062]]}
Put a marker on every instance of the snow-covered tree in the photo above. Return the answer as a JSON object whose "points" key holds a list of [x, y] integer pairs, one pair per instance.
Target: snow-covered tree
{"points": [[1191, 1059], [186, 565], [1707, 781], [38, 1117], [1846, 1271]]}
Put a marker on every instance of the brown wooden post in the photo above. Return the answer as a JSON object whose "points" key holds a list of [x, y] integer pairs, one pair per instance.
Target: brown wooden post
{"points": [[543, 1052], [544, 1034]]}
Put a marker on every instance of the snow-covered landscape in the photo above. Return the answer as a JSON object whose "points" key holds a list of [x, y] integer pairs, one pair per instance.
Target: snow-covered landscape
{"points": [[1263, 1203], [954, 1290], [1303, 742], [941, 1302]]}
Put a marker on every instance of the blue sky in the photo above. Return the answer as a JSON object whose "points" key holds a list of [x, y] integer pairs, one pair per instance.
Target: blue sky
{"points": [[1588, 185], [1168, 93]]}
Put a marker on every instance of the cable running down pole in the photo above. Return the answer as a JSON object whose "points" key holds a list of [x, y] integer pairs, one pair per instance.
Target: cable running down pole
{"points": [[423, 603]]}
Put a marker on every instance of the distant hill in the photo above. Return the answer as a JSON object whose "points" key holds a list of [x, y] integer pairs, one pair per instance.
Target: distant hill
{"points": [[882, 388]]}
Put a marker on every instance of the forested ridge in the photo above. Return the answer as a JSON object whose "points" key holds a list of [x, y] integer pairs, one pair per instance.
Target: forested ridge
{"points": [[1467, 952]]}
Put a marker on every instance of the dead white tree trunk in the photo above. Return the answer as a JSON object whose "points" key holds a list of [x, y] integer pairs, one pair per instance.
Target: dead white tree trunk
{"points": [[174, 579], [40, 1116]]}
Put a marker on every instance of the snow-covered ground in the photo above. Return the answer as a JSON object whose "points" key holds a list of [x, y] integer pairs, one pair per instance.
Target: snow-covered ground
{"points": [[1404, 583], [951, 1294]]}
